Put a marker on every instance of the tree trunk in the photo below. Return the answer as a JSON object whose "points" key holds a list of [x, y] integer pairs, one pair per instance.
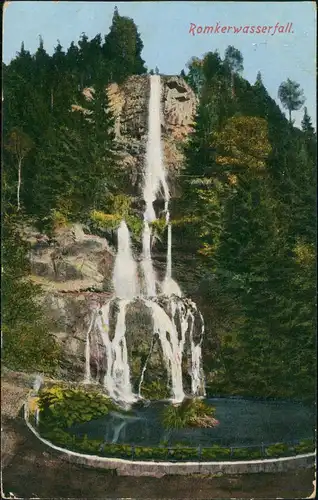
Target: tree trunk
{"points": [[289, 115], [19, 183]]}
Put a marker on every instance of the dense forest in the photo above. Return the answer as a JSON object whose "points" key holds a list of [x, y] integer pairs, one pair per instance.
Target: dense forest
{"points": [[247, 208]]}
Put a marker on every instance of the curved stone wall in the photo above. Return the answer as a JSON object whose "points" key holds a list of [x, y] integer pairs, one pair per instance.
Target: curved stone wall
{"points": [[159, 469]]}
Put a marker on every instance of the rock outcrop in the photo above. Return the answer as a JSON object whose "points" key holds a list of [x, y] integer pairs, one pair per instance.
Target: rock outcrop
{"points": [[129, 104], [71, 261]]}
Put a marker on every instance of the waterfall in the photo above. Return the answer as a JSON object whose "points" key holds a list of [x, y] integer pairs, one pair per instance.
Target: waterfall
{"points": [[149, 273], [87, 379], [155, 175], [170, 287], [38, 381], [117, 379], [170, 348], [125, 279]]}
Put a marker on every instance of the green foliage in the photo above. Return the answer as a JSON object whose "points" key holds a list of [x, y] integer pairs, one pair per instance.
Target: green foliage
{"points": [[102, 221], [252, 229], [155, 390], [62, 407], [233, 59], [278, 450], [119, 207], [135, 225], [291, 96], [123, 47], [27, 342], [190, 413], [215, 452], [305, 446], [246, 453], [66, 145], [159, 226]]}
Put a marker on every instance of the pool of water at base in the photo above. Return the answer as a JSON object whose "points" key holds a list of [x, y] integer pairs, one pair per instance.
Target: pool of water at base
{"points": [[241, 423]]}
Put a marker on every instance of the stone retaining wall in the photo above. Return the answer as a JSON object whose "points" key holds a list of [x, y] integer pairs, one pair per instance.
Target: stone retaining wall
{"points": [[159, 469]]}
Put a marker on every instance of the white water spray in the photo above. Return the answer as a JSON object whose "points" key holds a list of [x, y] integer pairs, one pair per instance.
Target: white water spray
{"points": [[155, 175], [125, 279], [169, 286], [117, 377], [149, 273], [38, 381], [170, 347]]}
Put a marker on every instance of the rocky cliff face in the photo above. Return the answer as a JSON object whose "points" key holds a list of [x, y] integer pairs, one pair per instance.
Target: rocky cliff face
{"points": [[75, 268], [129, 103]]}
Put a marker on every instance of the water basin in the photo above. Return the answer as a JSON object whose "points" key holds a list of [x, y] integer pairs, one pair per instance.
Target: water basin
{"points": [[242, 423]]}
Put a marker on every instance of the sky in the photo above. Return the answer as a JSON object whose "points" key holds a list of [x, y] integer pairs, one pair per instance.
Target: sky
{"points": [[168, 44]]}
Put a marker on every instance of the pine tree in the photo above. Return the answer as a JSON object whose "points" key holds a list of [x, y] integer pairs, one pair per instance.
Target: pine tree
{"points": [[233, 61], [306, 123], [233, 58], [259, 81], [77, 168], [291, 96], [122, 49], [195, 76]]}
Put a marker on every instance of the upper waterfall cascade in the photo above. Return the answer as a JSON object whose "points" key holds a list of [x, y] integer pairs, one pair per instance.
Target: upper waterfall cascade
{"points": [[173, 324]]}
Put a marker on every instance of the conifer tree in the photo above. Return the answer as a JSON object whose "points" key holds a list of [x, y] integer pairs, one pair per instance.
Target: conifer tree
{"points": [[306, 123], [122, 48], [195, 76], [291, 96], [233, 61]]}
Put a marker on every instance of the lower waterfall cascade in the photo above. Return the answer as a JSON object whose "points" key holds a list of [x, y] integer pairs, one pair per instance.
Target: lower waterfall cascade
{"points": [[177, 324]]}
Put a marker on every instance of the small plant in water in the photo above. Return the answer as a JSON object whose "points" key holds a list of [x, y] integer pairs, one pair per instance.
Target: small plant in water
{"points": [[190, 413]]}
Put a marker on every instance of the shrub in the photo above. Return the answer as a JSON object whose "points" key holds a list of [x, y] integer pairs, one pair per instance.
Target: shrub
{"points": [[216, 452], [278, 450], [173, 418], [102, 221], [305, 446], [135, 225], [190, 413], [62, 407], [155, 390], [246, 453], [159, 226], [60, 438], [183, 453], [58, 219], [116, 450]]}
